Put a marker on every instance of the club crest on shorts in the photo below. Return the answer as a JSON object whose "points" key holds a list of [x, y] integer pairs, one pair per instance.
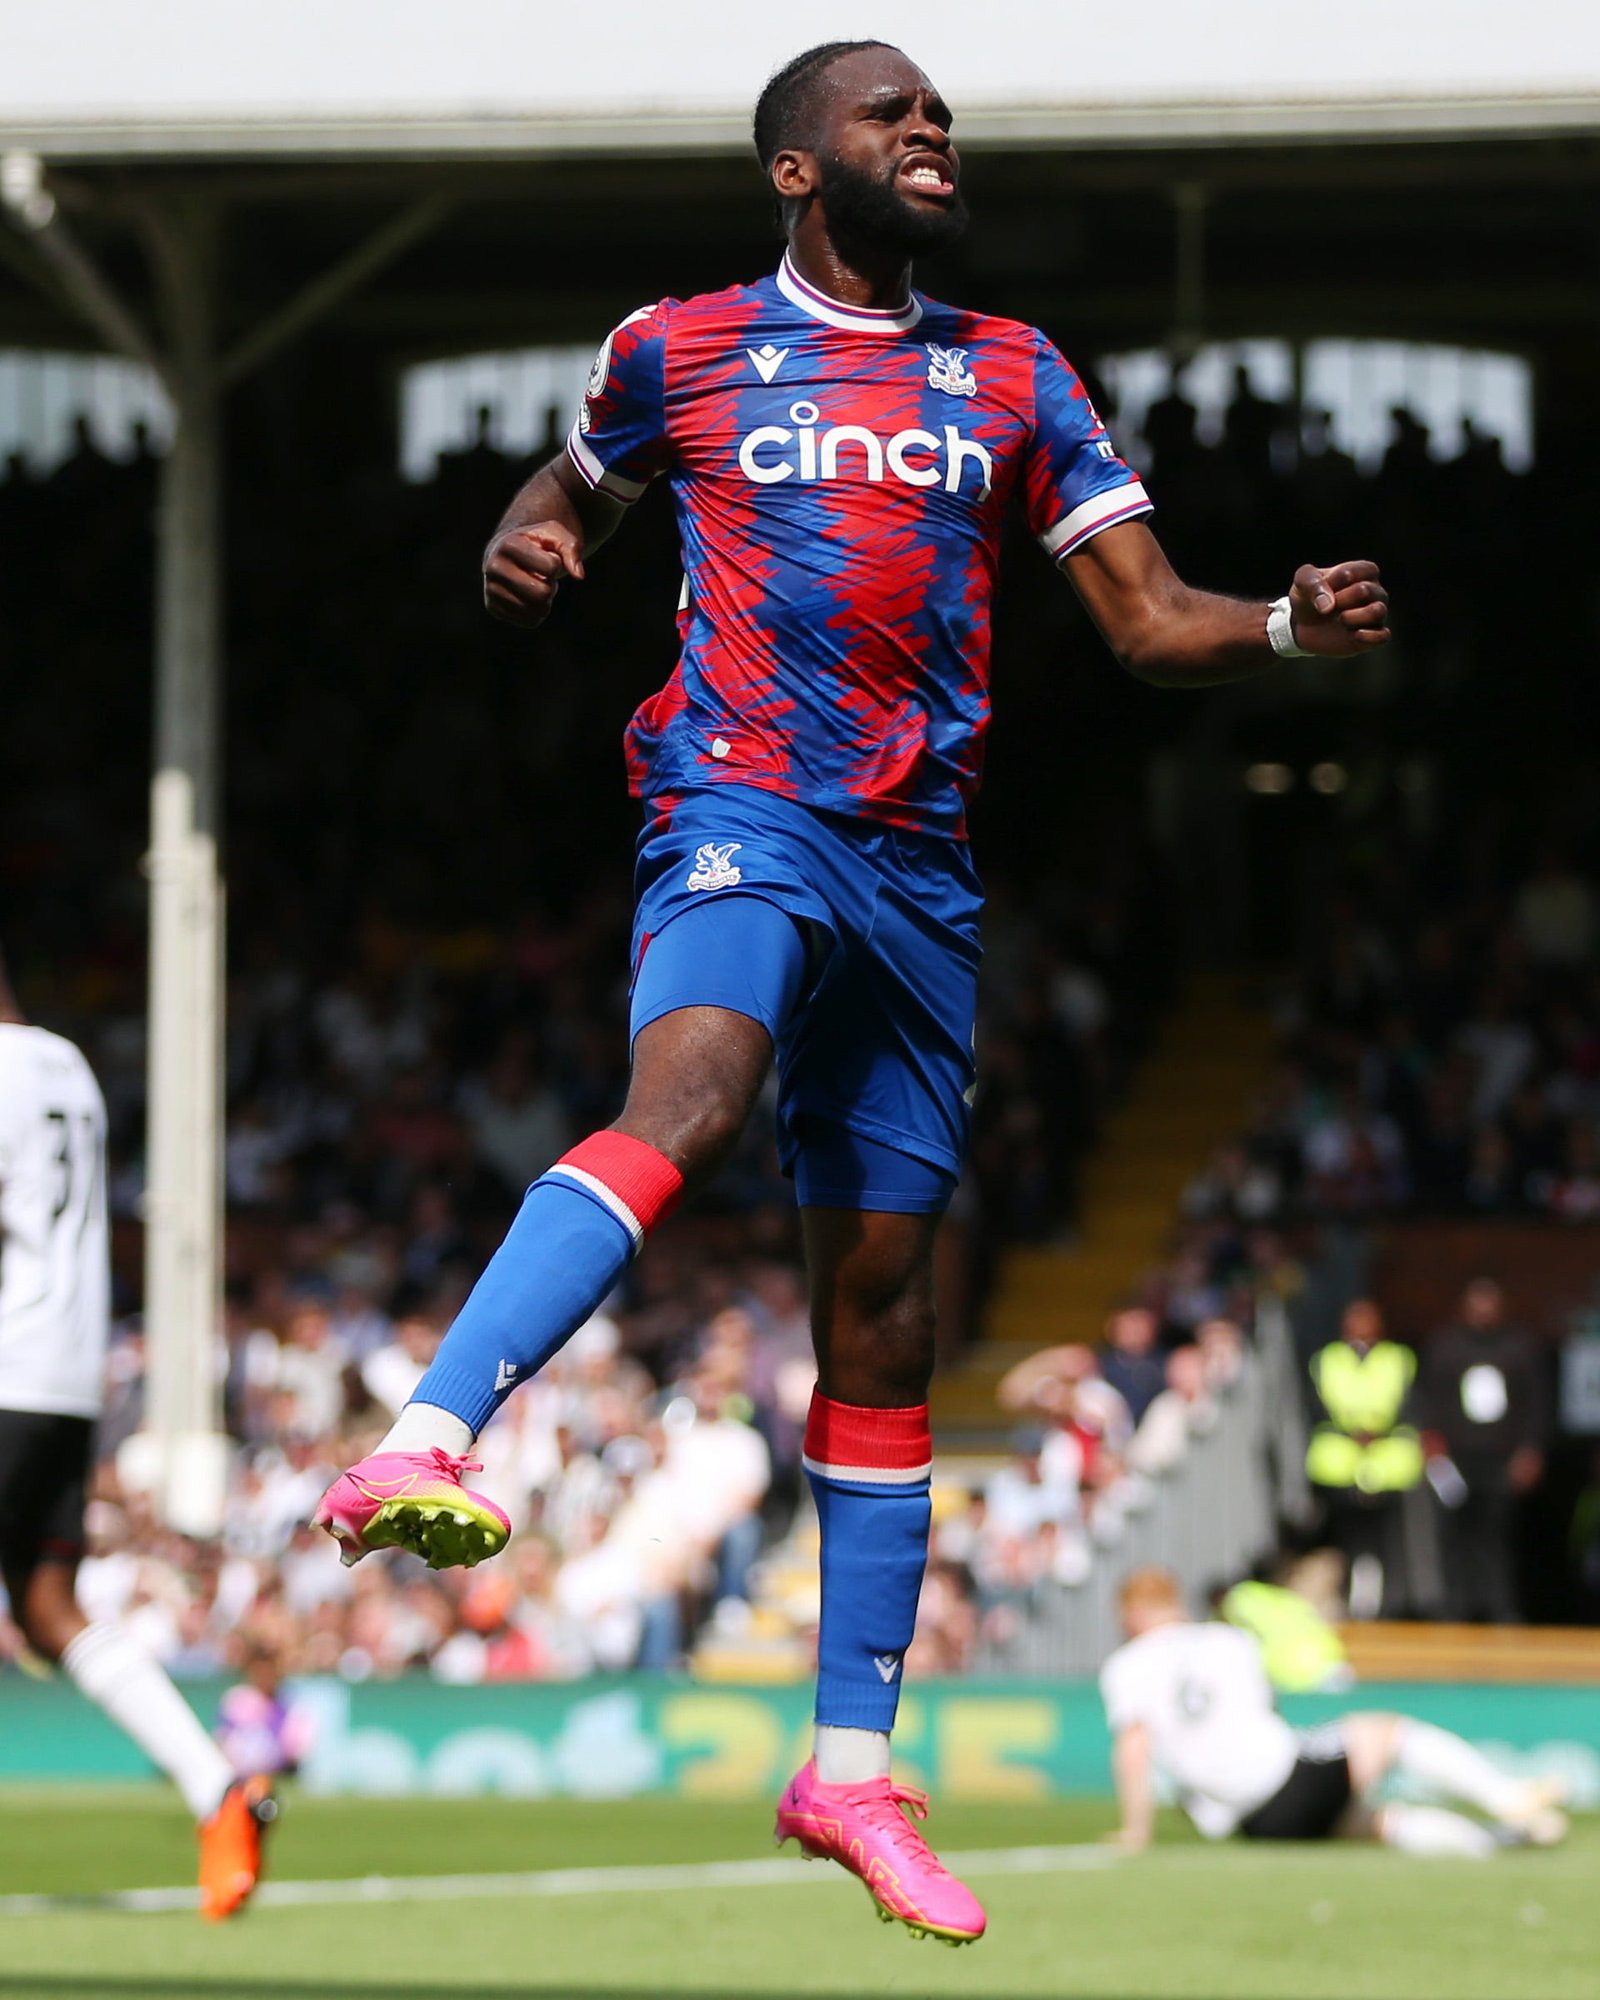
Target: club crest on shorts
{"points": [[713, 866], [948, 370]]}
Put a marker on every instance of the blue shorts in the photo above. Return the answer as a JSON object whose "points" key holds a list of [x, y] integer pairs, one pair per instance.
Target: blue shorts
{"points": [[867, 983]]}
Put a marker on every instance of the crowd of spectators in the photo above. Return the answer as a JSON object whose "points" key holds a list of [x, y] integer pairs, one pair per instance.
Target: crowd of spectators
{"points": [[1097, 1428], [1441, 1056], [1274, 484], [635, 1503], [642, 1497]]}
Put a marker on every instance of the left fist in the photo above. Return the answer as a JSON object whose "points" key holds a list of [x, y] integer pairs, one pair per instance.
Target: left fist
{"points": [[1340, 611]]}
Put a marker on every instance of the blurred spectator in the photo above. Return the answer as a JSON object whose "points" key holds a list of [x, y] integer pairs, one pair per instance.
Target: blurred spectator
{"points": [[1556, 912], [1130, 1362], [391, 1373], [1088, 1424], [1251, 429], [1222, 1346], [516, 1120], [1234, 1187], [1031, 1526], [717, 1463], [1363, 1458], [947, 1622], [1045, 1383], [1572, 1191], [1186, 1407], [1354, 1159], [309, 1378], [258, 1726], [1485, 1404], [1019, 1499], [1502, 1047], [1301, 1651]]}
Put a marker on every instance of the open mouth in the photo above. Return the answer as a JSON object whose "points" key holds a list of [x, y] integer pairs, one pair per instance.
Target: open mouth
{"points": [[926, 174]]}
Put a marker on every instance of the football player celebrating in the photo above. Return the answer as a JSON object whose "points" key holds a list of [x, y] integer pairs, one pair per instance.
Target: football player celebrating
{"points": [[1193, 1701], [841, 453], [55, 1281]]}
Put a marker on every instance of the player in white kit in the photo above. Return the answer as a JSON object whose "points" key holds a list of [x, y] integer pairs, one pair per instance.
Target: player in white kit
{"points": [[55, 1282], [1194, 1702]]}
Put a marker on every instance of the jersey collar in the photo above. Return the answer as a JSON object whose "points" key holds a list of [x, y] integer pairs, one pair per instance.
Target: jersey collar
{"points": [[854, 319]]}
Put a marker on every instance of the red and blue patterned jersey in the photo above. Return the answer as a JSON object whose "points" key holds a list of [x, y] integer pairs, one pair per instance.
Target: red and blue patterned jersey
{"points": [[840, 479]]}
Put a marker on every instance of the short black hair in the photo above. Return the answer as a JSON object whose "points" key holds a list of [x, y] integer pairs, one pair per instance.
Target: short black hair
{"points": [[788, 104]]}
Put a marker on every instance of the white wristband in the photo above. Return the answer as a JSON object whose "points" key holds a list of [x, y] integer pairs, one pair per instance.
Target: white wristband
{"points": [[1280, 631]]}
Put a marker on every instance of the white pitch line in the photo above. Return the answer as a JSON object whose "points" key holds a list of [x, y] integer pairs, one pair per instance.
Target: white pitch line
{"points": [[552, 1882]]}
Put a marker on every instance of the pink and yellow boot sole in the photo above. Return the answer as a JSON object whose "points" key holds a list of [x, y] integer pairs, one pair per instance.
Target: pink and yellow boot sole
{"points": [[412, 1500]]}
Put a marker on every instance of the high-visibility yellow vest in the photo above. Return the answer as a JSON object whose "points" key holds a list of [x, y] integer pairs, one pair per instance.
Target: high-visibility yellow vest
{"points": [[1364, 1444], [1299, 1648]]}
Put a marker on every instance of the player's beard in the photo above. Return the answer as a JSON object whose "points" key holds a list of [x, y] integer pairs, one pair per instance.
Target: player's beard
{"points": [[874, 211]]}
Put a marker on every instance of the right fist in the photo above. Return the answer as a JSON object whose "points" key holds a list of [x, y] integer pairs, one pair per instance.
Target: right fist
{"points": [[523, 568]]}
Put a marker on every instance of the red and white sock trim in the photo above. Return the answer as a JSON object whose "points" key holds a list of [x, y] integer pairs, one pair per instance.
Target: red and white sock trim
{"points": [[868, 1447], [640, 1186]]}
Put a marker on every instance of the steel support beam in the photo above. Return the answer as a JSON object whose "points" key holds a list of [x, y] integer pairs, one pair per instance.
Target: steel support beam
{"points": [[76, 277], [183, 1207], [183, 1194], [334, 285], [1190, 201]]}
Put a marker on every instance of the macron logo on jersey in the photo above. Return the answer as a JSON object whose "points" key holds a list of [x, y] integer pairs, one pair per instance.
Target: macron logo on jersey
{"points": [[773, 452], [768, 360]]}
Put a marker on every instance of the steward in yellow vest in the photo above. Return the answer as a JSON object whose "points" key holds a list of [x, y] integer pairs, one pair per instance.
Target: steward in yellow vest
{"points": [[1363, 1381], [1300, 1650]]}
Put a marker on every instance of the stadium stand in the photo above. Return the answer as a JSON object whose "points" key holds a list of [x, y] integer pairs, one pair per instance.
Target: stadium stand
{"points": [[426, 1000]]}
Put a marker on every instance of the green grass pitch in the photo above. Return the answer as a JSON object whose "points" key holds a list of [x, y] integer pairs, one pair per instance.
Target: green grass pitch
{"points": [[1187, 1922]]}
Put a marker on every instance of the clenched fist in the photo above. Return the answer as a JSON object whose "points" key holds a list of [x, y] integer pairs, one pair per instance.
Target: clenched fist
{"points": [[523, 568], [1339, 611]]}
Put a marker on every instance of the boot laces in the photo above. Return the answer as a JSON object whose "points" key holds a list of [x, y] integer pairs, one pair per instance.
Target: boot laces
{"points": [[451, 1466], [887, 1812]]}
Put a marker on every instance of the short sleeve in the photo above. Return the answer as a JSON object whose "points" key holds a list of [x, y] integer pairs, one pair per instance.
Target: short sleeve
{"points": [[1074, 484], [619, 442], [1117, 1692]]}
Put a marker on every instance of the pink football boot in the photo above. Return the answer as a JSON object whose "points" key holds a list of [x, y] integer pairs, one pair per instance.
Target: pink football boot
{"points": [[412, 1500], [865, 1828]]}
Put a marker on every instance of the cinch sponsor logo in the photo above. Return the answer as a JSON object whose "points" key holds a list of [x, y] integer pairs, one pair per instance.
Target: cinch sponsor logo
{"points": [[915, 457]]}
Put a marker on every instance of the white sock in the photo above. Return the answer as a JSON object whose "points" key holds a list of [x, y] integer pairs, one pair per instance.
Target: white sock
{"points": [[116, 1673], [851, 1756], [420, 1426], [1451, 1767], [1433, 1830]]}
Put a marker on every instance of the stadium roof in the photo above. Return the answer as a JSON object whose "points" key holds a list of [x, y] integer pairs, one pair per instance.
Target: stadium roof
{"points": [[428, 180], [304, 79]]}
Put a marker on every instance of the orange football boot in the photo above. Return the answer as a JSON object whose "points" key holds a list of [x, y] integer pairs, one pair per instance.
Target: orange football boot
{"points": [[230, 1847]]}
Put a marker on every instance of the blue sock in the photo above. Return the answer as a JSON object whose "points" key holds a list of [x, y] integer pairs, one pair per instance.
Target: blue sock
{"points": [[869, 1472], [578, 1226]]}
